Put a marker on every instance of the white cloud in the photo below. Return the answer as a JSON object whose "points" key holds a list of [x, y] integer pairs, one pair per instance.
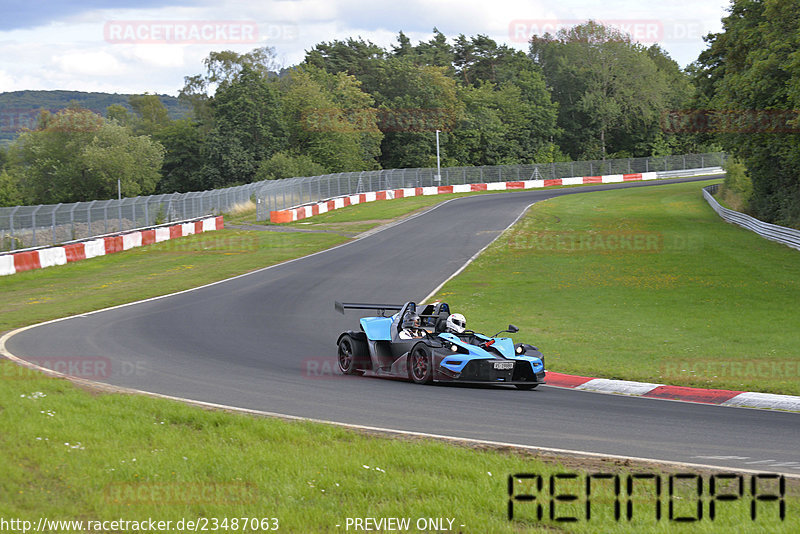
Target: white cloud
{"points": [[72, 53], [90, 63]]}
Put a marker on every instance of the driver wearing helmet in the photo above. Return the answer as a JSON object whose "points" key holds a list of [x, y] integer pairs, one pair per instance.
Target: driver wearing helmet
{"points": [[456, 324], [411, 327]]}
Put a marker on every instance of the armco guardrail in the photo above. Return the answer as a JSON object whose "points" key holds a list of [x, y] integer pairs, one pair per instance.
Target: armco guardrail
{"points": [[787, 236]]}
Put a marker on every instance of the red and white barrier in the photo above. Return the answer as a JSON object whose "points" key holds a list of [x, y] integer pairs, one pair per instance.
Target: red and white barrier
{"points": [[680, 393], [303, 212], [48, 257]]}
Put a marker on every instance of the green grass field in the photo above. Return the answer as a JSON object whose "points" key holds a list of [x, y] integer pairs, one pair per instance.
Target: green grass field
{"points": [[643, 284], [71, 454], [686, 288], [34, 296]]}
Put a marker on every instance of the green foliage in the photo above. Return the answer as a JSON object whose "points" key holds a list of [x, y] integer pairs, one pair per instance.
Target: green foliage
{"points": [[362, 59], [749, 74], [119, 114], [611, 92], [248, 129], [9, 190], [151, 113], [284, 165], [76, 155], [161, 215], [414, 101], [22, 107], [183, 143], [738, 182], [330, 119], [222, 68]]}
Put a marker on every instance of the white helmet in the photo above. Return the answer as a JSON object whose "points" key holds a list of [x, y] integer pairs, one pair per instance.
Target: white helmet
{"points": [[456, 323]]}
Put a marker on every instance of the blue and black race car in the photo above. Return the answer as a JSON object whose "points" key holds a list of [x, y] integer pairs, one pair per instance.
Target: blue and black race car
{"points": [[418, 343]]}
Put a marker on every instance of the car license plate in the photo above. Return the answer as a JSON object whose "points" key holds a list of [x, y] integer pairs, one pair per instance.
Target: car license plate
{"points": [[503, 366]]}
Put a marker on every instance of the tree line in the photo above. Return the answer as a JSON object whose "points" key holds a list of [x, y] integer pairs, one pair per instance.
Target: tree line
{"points": [[587, 92]]}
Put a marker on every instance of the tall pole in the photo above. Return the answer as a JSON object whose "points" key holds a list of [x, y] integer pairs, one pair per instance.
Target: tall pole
{"points": [[438, 164], [119, 202]]}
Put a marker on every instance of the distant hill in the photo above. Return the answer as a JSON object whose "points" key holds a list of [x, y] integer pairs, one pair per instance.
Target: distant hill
{"points": [[20, 109]]}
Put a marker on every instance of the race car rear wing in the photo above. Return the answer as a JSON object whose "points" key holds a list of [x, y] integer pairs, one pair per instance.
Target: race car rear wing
{"points": [[380, 308]]}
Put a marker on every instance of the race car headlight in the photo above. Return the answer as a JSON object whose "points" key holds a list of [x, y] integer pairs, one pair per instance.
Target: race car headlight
{"points": [[520, 349], [454, 347]]}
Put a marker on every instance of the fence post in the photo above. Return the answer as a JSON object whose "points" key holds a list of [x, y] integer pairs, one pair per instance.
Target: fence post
{"points": [[11, 224], [89, 217], [33, 220], [54, 222], [72, 222]]}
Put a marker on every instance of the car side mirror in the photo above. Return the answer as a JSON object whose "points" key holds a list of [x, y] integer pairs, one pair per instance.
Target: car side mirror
{"points": [[513, 329]]}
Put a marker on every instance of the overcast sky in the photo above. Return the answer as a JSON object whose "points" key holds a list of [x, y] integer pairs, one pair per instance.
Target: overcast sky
{"points": [[136, 46]]}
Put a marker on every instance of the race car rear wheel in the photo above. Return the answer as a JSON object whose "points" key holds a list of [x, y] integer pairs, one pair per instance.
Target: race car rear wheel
{"points": [[351, 354], [420, 365], [526, 387]]}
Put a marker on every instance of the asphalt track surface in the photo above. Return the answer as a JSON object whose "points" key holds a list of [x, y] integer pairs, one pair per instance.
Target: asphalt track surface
{"points": [[266, 341]]}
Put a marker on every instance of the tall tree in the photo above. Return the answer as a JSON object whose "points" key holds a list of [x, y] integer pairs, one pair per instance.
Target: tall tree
{"points": [[76, 155], [750, 75], [151, 113], [330, 119], [413, 102], [437, 52], [223, 68], [608, 89], [356, 57], [184, 158], [248, 128]]}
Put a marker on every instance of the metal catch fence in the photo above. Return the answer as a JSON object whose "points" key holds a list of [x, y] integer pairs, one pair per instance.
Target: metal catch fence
{"points": [[282, 194], [24, 227]]}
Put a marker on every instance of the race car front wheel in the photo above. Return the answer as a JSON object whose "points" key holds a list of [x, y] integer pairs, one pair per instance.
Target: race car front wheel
{"points": [[420, 365], [351, 353]]}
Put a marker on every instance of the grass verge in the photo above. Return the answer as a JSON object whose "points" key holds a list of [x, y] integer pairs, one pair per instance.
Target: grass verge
{"points": [[72, 454], [75, 454], [643, 284], [43, 294]]}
